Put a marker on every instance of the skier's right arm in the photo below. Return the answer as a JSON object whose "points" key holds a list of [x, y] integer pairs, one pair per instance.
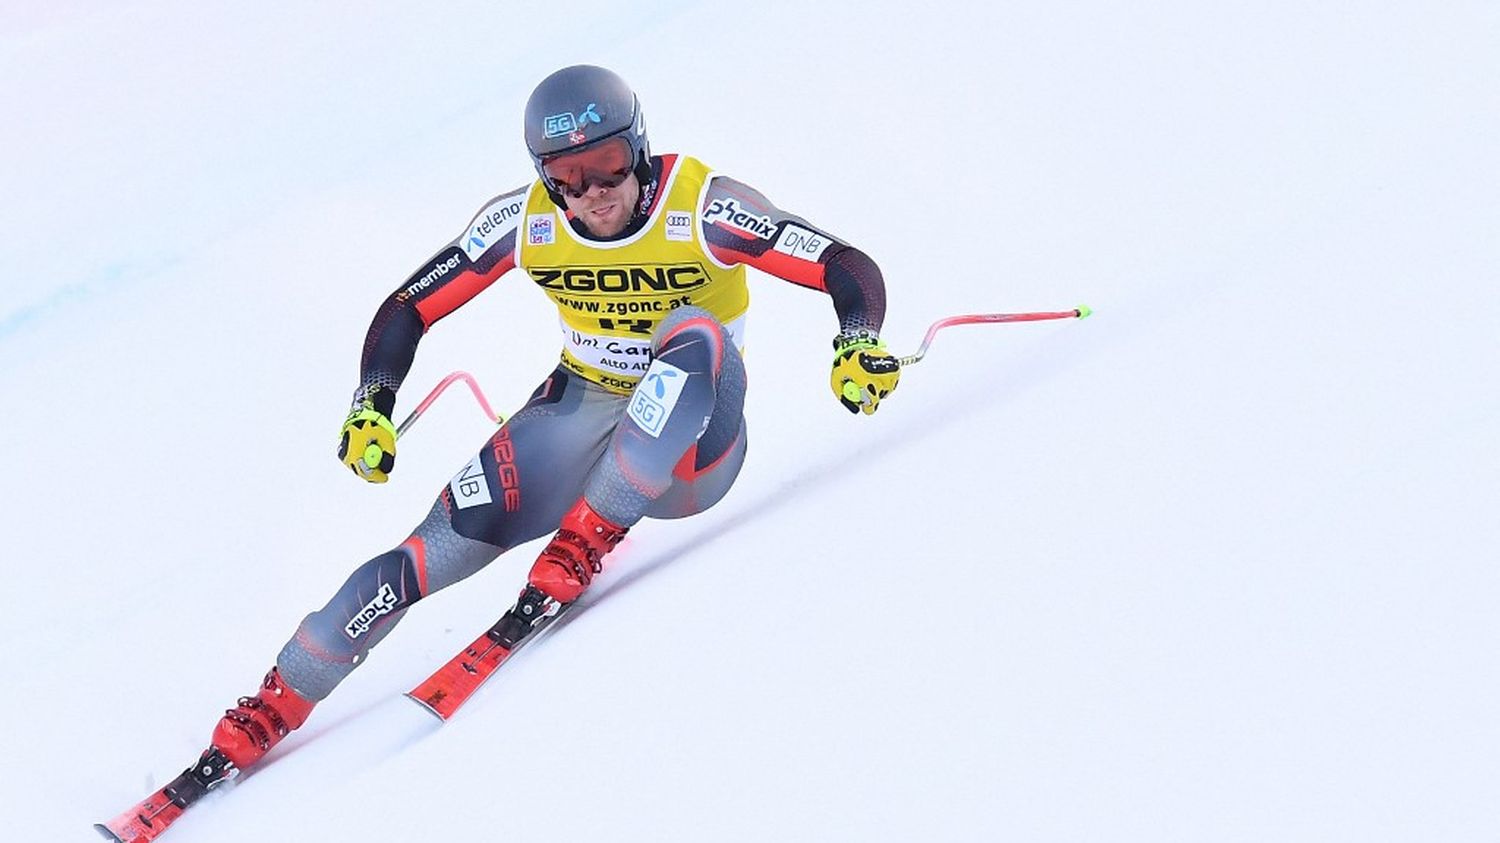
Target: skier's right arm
{"points": [[457, 273]]}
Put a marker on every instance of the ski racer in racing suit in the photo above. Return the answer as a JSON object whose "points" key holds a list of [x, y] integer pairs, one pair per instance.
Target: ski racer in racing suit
{"points": [[645, 258]]}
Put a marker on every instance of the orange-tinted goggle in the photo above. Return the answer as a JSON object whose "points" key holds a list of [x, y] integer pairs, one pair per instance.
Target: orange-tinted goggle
{"points": [[607, 164]]}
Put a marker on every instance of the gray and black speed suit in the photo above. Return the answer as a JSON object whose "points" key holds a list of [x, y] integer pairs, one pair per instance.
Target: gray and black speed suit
{"points": [[643, 415]]}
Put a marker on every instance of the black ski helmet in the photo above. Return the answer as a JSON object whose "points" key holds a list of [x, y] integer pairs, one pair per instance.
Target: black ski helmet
{"points": [[577, 107]]}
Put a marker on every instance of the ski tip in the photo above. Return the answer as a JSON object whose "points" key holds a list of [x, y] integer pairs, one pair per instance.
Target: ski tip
{"points": [[426, 706], [1083, 311], [106, 833]]}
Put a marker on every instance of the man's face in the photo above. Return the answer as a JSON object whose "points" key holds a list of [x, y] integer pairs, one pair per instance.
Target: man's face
{"points": [[598, 186], [605, 211]]}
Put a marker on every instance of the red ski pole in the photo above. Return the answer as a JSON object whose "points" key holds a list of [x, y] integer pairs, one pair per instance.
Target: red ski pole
{"points": [[1079, 312], [432, 396]]}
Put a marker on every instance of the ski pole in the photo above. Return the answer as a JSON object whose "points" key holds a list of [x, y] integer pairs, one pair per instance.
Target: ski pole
{"points": [[1080, 312], [432, 396]]}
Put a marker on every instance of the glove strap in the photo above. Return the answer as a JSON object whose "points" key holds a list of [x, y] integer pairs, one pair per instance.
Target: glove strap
{"points": [[856, 341], [364, 412]]}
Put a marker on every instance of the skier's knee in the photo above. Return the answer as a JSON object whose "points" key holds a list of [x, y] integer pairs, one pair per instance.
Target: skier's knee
{"points": [[689, 332]]}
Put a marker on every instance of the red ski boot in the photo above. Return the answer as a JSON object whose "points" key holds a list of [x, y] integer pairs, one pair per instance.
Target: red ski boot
{"points": [[569, 562], [248, 731]]}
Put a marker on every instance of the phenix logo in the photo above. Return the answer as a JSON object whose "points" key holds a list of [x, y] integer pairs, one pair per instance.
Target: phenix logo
{"points": [[382, 604], [729, 212]]}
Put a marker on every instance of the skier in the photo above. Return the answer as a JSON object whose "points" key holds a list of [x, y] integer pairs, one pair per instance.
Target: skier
{"points": [[644, 256]]}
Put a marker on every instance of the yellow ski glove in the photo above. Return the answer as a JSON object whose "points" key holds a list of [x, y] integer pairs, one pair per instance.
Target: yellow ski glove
{"points": [[863, 371], [367, 444]]}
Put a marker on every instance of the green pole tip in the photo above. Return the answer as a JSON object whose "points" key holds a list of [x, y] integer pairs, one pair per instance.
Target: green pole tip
{"points": [[1084, 311]]}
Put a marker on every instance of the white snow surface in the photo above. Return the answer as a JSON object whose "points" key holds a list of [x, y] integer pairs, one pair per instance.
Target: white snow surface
{"points": [[1218, 563]]}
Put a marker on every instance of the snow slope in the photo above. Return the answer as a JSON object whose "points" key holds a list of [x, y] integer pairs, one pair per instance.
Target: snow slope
{"points": [[1216, 564]]}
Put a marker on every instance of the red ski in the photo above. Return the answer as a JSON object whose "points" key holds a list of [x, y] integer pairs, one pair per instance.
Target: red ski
{"points": [[453, 683], [147, 820], [442, 694]]}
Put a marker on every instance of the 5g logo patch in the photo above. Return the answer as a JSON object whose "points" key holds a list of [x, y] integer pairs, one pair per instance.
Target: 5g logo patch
{"points": [[557, 125], [656, 396]]}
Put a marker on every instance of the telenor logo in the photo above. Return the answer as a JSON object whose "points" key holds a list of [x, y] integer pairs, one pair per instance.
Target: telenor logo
{"points": [[658, 381], [490, 225], [566, 123], [653, 402]]}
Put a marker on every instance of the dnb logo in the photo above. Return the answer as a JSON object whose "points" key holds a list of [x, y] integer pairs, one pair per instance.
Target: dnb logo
{"points": [[656, 396], [558, 125]]}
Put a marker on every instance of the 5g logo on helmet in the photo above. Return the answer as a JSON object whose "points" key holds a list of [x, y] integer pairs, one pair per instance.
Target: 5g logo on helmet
{"points": [[557, 125]]}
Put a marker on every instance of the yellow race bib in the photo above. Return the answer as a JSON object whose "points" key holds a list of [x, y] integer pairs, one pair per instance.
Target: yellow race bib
{"points": [[611, 295]]}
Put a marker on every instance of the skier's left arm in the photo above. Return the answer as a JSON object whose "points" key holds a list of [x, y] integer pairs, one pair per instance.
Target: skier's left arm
{"points": [[741, 226]]}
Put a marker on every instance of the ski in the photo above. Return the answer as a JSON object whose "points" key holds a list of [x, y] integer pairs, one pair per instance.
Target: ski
{"points": [[442, 694], [451, 686], [148, 819]]}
